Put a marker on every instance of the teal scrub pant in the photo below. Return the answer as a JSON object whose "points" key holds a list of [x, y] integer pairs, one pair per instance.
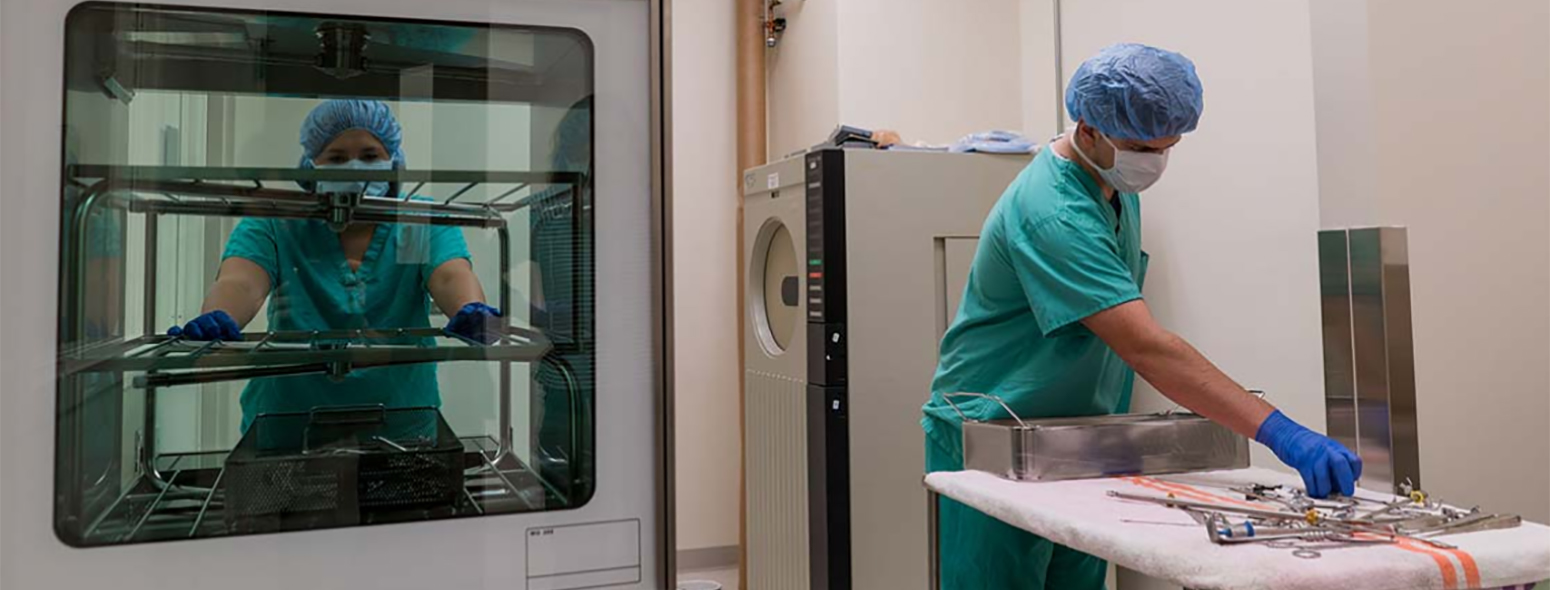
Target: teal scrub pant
{"points": [[979, 552]]}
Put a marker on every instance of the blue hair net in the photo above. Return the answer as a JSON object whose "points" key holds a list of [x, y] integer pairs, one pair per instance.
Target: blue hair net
{"points": [[1131, 91], [333, 117]]}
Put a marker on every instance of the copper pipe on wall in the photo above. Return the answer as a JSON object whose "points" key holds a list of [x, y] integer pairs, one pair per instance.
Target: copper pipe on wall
{"points": [[751, 151], [751, 148]]}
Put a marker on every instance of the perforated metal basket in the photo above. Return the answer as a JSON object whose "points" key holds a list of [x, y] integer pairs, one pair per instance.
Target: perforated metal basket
{"points": [[331, 467]]}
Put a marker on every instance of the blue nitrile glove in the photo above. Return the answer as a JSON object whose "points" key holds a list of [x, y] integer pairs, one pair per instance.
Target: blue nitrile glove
{"points": [[1326, 466], [215, 325], [476, 321]]}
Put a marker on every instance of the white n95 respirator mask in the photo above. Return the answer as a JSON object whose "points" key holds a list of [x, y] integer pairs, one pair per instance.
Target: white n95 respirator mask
{"points": [[375, 189], [1133, 172]]}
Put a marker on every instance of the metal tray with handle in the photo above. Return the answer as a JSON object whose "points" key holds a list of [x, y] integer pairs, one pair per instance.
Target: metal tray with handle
{"points": [[1097, 446]]}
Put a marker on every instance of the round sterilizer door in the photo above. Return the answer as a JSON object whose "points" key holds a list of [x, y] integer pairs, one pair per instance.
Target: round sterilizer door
{"points": [[776, 292]]}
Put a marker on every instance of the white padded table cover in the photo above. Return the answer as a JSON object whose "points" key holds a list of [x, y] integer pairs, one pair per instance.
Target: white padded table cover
{"points": [[1081, 515]]}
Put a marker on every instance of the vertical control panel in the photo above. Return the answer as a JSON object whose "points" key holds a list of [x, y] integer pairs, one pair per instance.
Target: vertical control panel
{"points": [[828, 403], [826, 338]]}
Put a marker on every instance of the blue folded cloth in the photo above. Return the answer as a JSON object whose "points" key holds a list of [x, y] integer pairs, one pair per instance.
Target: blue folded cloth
{"points": [[995, 142]]}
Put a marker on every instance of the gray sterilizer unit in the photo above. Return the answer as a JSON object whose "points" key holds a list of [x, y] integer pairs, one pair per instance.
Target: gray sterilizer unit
{"points": [[856, 260], [540, 459]]}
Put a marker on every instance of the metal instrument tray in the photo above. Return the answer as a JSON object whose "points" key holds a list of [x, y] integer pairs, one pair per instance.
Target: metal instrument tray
{"points": [[170, 360], [457, 198], [1098, 446]]}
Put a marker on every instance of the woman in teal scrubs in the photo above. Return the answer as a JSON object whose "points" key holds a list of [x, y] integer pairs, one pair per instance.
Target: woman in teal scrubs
{"points": [[369, 276], [1052, 320]]}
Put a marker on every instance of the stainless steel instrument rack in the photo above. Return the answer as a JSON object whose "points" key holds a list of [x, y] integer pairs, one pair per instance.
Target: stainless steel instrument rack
{"points": [[172, 360], [182, 490], [190, 504]]}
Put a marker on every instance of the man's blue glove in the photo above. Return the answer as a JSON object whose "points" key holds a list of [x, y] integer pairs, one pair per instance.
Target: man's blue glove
{"points": [[1326, 466], [476, 321], [215, 325]]}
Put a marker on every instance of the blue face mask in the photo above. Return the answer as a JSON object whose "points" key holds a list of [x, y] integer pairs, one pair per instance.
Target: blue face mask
{"points": [[375, 189]]}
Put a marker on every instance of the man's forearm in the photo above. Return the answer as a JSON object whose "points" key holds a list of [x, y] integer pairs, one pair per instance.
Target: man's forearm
{"points": [[1185, 376]]}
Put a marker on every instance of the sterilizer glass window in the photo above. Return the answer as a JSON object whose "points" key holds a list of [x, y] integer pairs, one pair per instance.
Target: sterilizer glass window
{"points": [[339, 187]]}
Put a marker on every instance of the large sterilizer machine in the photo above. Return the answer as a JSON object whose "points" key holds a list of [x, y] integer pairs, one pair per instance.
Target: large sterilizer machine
{"points": [[856, 260], [140, 140]]}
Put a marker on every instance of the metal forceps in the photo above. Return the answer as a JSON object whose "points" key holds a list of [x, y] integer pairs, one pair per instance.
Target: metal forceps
{"points": [[1313, 546]]}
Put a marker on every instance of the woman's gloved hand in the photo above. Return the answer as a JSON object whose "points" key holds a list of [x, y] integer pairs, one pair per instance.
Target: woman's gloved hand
{"points": [[214, 325], [476, 321], [1326, 466]]}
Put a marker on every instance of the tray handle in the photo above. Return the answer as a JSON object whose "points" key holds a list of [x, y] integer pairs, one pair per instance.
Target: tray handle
{"points": [[326, 416], [347, 415], [948, 397]]}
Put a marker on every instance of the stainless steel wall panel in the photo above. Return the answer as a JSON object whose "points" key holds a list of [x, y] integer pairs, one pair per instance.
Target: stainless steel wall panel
{"points": [[1369, 359], [1339, 363]]}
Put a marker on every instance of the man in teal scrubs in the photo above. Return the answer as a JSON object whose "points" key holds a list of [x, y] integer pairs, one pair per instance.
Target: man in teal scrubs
{"points": [[1052, 320], [368, 276]]}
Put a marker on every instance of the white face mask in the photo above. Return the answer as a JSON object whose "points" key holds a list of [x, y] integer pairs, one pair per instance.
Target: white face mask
{"points": [[1133, 172], [375, 189]]}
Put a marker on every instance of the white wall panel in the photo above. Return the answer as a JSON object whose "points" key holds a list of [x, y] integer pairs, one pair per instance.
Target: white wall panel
{"points": [[705, 268]]}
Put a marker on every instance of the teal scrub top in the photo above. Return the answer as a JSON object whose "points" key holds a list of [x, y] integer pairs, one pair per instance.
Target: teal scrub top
{"points": [[1053, 252], [313, 288]]}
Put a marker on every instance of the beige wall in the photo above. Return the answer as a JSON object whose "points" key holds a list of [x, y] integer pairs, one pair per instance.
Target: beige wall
{"points": [[1343, 98], [705, 257], [935, 71], [1477, 210], [1042, 73], [803, 77], [1459, 145]]}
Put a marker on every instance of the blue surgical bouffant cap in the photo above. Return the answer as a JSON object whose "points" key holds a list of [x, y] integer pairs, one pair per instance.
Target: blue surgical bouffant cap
{"points": [[332, 117], [1131, 91]]}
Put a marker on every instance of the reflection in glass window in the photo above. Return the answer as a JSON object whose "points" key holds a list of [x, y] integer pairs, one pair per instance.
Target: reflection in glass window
{"points": [[320, 271]]}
